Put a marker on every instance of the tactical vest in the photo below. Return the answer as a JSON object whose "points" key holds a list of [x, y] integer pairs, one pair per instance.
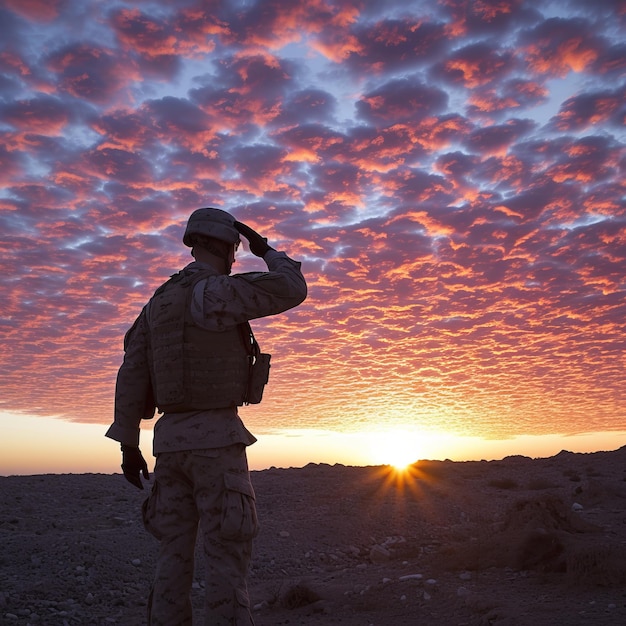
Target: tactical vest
{"points": [[192, 368]]}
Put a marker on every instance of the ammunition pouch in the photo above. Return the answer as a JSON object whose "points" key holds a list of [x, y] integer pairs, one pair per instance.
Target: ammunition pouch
{"points": [[259, 367]]}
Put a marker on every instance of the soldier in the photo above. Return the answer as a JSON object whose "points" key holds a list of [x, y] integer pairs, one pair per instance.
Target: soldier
{"points": [[192, 355]]}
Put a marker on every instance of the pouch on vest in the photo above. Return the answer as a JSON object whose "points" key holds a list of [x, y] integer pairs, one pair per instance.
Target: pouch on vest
{"points": [[259, 377], [259, 366]]}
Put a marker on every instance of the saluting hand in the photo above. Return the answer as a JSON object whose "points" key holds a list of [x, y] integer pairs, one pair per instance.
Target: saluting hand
{"points": [[258, 244]]}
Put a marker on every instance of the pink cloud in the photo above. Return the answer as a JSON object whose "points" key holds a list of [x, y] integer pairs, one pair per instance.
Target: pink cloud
{"points": [[90, 72], [591, 109], [387, 45], [37, 10], [43, 115], [486, 16], [498, 138], [560, 45], [400, 100], [475, 65], [461, 252], [12, 164]]}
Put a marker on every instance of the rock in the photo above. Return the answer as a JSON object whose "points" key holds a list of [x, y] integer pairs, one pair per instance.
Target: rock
{"points": [[319, 607], [379, 554], [411, 577], [392, 541]]}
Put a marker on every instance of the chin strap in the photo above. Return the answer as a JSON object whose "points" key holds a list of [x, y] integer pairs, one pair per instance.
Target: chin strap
{"points": [[220, 249]]}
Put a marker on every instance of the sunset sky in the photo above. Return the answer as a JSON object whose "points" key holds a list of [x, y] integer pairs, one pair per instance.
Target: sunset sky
{"points": [[450, 173]]}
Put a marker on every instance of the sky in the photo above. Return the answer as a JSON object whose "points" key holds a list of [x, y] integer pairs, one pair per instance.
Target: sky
{"points": [[450, 174]]}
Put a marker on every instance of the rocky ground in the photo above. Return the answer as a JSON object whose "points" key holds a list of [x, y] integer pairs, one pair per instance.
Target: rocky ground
{"points": [[513, 542]]}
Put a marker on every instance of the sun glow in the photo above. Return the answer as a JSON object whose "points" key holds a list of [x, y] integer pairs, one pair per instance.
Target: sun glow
{"points": [[398, 448]]}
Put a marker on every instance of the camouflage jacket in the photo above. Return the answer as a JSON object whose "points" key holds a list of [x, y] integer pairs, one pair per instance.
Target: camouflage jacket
{"points": [[218, 303]]}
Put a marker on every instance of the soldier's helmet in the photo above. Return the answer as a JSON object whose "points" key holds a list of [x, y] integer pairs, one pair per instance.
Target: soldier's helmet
{"points": [[213, 223]]}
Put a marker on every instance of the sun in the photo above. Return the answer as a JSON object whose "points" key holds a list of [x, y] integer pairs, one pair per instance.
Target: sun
{"points": [[403, 462], [397, 448]]}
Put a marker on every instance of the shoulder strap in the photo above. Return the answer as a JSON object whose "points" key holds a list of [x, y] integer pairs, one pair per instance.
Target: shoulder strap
{"points": [[253, 350], [249, 340]]}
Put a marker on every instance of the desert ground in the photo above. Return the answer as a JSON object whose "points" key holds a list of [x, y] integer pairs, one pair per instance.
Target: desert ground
{"points": [[518, 541]]}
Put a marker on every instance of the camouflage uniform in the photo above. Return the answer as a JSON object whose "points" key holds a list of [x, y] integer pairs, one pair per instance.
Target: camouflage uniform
{"points": [[201, 472]]}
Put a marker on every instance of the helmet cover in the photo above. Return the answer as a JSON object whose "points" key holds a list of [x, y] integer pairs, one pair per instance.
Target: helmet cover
{"points": [[213, 223]]}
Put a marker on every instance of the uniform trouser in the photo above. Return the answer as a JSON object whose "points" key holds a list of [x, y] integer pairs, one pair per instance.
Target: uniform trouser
{"points": [[210, 488]]}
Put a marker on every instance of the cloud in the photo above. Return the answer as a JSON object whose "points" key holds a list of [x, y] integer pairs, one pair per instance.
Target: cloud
{"points": [[391, 45], [90, 72], [306, 106], [589, 109], [450, 175], [36, 10], [475, 65], [469, 18], [510, 96], [558, 45], [401, 100], [498, 138]]}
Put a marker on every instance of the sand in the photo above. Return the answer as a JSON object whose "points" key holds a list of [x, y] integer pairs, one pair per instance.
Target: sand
{"points": [[517, 541]]}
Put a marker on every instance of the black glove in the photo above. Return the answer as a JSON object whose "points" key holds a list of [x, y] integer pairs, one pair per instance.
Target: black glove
{"points": [[133, 465], [258, 244]]}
